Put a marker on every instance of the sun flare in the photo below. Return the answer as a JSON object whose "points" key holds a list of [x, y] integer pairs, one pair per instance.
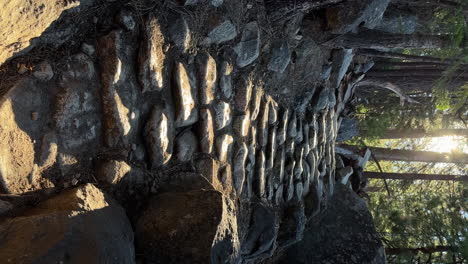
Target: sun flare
{"points": [[443, 144]]}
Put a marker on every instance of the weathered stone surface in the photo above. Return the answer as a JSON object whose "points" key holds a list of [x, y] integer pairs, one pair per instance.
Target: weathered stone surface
{"points": [[126, 19], [180, 34], [204, 223], [273, 112], [279, 195], [397, 23], [209, 168], [118, 96], [344, 174], [243, 94], [341, 61], [82, 219], [279, 170], [280, 56], [256, 102], [206, 131], [223, 115], [5, 207], [248, 49], [113, 171], [43, 71], [217, 3], [367, 66], [159, 135], [224, 32], [225, 80], [240, 157], [207, 73], [326, 72], [290, 179], [242, 125], [271, 148], [283, 127], [260, 176], [345, 17], [348, 129], [300, 132], [185, 97], [292, 125], [186, 145], [321, 100], [151, 57], [262, 234], [299, 190], [262, 124], [344, 232], [224, 147], [22, 21]]}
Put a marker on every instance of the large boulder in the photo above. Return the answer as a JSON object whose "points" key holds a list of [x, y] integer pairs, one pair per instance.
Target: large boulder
{"points": [[188, 227], [344, 233], [81, 225], [24, 24]]}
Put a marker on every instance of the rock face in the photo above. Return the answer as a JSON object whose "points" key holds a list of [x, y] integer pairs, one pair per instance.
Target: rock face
{"points": [[249, 47], [344, 234], [166, 230], [17, 31], [83, 219]]}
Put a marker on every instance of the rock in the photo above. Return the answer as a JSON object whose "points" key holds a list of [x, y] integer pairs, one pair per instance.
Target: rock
{"points": [[217, 3], [151, 57], [262, 124], [348, 129], [209, 169], [126, 19], [397, 23], [261, 234], [256, 102], [279, 195], [190, 227], [223, 114], [278, 169], [322, 100], [326, 72], [345, 17], [5, 207], [180, 34], [113, 171], [299, 190], [23, 24], [242, 125], [248, 49], [300, 132], [283, 127], [331, 99], [273, 112], [341, 61], [260, 174], [225, 80], [190, 2], [43, 71], [292, 126], [243, 94], [344, 174], [344, 232], [207, 72], [118, 91], [240, 157], [206, 131], [82, 219], [224, 147], [185, 97], [159, 135], [186, 146], [88, 49], [224, 32], [280, 56], [367, 66]]}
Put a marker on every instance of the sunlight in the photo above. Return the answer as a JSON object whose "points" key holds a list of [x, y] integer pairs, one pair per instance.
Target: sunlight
{"points": [[443, 144]]}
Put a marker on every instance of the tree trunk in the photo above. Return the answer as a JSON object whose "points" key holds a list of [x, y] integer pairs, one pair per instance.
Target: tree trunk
{"points": [[414, 176], [412, 155], [415, 73], [414, 251], [422, 133], [373, 39], [395, 55], [382, 65], [390, 86]]}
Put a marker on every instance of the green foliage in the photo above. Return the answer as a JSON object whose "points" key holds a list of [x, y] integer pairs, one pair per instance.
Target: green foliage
{"points": [[422, 214]]}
